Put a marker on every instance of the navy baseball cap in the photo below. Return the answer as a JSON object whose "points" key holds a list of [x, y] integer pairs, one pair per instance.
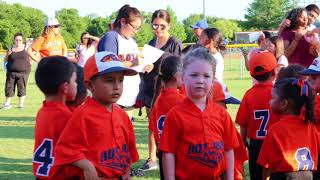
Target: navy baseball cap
{"points": [[200, 24], [313, 69]]}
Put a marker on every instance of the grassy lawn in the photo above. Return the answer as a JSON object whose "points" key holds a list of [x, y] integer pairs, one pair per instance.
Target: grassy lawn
{"points": [[16, 125]]}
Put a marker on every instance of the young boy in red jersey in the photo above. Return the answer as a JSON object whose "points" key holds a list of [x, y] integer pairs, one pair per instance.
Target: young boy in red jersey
{"points": [[99, 137], [254, 115], [56, 78]]}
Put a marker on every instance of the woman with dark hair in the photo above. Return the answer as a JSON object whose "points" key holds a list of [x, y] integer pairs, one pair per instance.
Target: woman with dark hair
{"points": [[18, 69], [87, 48], [160, 24], [297, 47], [120, 42]]}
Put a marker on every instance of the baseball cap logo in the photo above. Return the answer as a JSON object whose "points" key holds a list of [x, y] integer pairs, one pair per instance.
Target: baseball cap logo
{"points": [[109, 57]]}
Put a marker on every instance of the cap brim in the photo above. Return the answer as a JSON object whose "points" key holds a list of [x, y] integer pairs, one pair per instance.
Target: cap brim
{"points": [[309, 72], [127, 71], [195, 27], [232, 100]]}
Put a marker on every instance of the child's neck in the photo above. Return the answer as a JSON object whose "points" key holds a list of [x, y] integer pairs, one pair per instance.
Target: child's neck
{"points": [[201, 103], [106, 105], [170, 84], [55, 98]]}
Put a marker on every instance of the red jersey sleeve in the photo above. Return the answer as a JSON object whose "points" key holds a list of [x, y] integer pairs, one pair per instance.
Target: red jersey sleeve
{"points": [[170, 135], [72, 144], [229, 136], [243, 114], [268, 156]]}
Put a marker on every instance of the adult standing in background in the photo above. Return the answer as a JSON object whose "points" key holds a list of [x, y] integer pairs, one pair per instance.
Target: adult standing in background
{"points": [[120, 42], [18, 69], [50, 43], [199, 27], [298, 49], [87, 48], [171, 46]]}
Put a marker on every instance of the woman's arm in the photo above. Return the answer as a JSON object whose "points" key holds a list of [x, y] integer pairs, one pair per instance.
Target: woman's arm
{"points": [[291, 47], [89, 171], [94, 38], [230, 164], [168, 161], [34, 55]]}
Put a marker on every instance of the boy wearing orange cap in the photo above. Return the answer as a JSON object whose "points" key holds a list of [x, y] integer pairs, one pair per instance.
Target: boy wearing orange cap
{"points": [[99, 137], [254, 115]]}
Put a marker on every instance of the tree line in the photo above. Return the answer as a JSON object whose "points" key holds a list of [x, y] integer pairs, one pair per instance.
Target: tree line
{"points": [[261, 14]]}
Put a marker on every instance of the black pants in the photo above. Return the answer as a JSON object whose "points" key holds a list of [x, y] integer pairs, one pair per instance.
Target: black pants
{"points": [[13, 80], [300, 175], [254, 150], [159, 155]]}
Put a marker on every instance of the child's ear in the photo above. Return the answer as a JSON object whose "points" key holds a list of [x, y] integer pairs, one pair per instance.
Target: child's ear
{"points": [[284, 103], [88, 84], [64, 88]]}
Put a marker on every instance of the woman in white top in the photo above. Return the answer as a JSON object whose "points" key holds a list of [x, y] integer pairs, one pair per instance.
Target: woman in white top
{"points": [[87, 48], [119, 41], [211, 38]]}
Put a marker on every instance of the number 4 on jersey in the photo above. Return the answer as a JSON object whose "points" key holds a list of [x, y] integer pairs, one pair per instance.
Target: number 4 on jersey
{"points": [[43, 156], [262, 115]]}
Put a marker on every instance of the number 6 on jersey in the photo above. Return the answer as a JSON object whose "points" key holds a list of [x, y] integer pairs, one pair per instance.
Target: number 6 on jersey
{"points": [[262, 115], [43, 156]]}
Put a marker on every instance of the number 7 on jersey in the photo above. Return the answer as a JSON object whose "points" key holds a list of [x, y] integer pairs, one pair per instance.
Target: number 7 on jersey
{"points": [[263, 116]]}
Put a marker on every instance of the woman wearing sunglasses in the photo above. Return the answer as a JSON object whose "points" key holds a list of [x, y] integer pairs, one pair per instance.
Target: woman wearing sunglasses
{"points": [[171, 46], [50, 43], [120, 42]]}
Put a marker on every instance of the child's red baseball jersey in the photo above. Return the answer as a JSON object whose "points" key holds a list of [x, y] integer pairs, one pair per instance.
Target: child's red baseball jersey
{"points": [[254, 112], [217, 92], [291, 145], [104, 138], [240, 156], [198, 139], [51, 120], [168, 98]]}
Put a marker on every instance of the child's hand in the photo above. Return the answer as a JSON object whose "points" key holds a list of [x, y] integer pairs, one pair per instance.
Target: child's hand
{"points": [[90, 173], [127, 176], [285, 23]]}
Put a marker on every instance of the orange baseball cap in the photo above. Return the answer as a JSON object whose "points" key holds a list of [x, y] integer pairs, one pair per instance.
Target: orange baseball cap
{"points": [[266, 60], [103, 63]]}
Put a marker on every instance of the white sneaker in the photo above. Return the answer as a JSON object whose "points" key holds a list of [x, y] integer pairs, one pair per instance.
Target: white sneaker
{"points": [[6, 106]]}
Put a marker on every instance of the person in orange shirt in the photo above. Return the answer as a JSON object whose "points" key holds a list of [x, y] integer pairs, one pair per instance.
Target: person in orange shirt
{"points": [[290, 150], [198, 137], [56, 78], [166, 96], [50, 43], [254, 115], [99, 137]]}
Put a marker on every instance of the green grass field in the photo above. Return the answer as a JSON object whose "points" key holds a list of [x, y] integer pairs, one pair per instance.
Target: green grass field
{"points": [[16, 125]]}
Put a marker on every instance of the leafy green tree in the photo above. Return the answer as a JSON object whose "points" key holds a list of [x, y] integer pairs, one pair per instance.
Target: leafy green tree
{"points": [[227, 27], [177, 29], [17, 18], [97, 26], [72, 26], [266, 14]]}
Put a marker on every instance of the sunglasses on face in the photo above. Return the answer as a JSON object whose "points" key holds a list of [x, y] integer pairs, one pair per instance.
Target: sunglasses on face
{"points": [[157, 26], [55, 26], [136, 28]]}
